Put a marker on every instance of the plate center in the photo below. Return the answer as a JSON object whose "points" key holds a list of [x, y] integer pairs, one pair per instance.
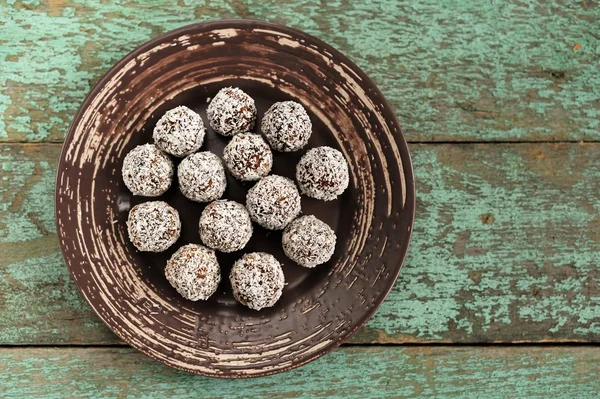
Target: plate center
{"points": [[299, 280]]}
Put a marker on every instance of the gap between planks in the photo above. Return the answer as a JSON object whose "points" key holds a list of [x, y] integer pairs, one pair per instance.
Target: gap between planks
{"points": [[415, 142], [541, 344]]}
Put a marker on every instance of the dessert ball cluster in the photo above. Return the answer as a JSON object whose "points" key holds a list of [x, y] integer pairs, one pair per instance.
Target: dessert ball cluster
{"points": [[272, 202]]}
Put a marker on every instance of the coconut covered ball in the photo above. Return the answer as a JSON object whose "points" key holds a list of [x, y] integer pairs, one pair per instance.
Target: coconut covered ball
{"points": [[308, 241], [225, 226], [287, 126], [202, 177], [147, 171], [194, 272], [257, 280], [248, 157], [273, 202], [322, 173], [231, 112], [180, 132], [153, 226]]}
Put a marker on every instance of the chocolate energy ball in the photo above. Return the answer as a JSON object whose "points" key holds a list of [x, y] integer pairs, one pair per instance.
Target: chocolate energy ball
{"points": [[287, 126], [248, 157], [231, 112], [273, 202], [322, 173], [308, 241], [147, 171], [202, 177], [194, 272], [225, 226], [257, 280], [180, 132], [153, 226]]}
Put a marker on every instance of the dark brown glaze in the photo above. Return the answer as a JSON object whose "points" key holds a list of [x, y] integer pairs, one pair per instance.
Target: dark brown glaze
{"points": [[319, 308]]}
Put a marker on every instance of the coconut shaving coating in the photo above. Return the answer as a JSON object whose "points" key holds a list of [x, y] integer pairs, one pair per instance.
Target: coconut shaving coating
{"points": [[225, 226], [322, 173], [308, 241], [273, 202], [147, 171], [287, 126], [180, 132], [231, 112], [153, 226], [257, 280], [202, 177], [194, 272], [248, 157]]}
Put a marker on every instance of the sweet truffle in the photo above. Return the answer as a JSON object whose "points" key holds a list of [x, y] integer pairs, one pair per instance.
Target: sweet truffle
{"points": [[322, 173], [194, 272], [308, 241], [202, 177], [287, 126], [273, 202], [231, 112], [248, 157], [147, 171], [153, 226], [225, 226], [180, 132], [257, 280]]}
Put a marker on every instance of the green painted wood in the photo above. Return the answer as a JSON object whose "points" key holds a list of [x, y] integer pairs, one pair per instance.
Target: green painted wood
{"points": [[454, 70], [505, 249], [350, 372]]}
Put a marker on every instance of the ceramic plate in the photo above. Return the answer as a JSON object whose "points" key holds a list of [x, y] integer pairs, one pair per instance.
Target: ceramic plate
{"points": [[321, 307]]}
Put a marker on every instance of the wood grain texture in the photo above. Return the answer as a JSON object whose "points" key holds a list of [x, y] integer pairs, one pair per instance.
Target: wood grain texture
{"points": [[505, 249], [453, 70], [351, 372]]}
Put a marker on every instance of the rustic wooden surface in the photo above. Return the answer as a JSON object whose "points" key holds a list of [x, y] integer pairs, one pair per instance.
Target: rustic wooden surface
{"points": [[507, 237], [454, 70], [505, 249], [429, 372]]}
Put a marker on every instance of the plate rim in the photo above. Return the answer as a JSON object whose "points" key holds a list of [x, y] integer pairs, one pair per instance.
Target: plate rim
{"points": [[407, 172]]}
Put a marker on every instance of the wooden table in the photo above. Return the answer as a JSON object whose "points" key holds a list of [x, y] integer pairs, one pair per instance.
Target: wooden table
{"points": [[500, 294]]}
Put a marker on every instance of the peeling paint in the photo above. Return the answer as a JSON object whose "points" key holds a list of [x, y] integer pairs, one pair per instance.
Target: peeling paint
{"points": [[482, 71]]}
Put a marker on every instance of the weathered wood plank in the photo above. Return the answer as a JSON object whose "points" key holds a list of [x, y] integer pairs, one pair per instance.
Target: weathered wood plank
{"points": [[506, 248], [350, 372], [453, 70], [38, 300]]}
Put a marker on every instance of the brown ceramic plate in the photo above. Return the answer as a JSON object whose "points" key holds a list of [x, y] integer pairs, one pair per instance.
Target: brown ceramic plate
{"points": [[321, 307]]}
